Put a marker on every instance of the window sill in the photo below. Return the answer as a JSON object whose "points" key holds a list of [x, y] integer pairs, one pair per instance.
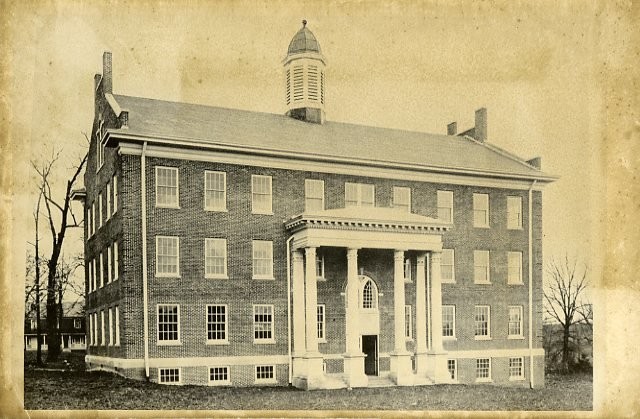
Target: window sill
{"points": [[515, 283], [269, 381], [449, 338], [447, 282], [515, 337], [321, 279], [516, 378], [322, 341], [264, 342], [262, 212], [217, 343], [482, 283], [219, 383], [216, 277], [168, 206], [408, 339], [161, 276], [482, 337], [484, 380], [263, 278], [216, 209], [169, 343], [408, 281], [486, 227]]}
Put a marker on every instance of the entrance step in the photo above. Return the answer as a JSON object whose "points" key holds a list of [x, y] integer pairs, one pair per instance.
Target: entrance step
{"points": [[334, 381], [382, 380]]}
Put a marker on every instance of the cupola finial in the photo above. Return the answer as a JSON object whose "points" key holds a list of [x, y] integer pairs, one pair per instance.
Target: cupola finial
{"points": [[304, 22]]}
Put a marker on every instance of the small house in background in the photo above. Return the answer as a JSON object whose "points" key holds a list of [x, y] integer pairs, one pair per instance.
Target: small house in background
{"points": [[72, 331]]}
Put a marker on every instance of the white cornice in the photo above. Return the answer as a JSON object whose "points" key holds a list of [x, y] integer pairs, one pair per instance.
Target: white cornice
{"points": [[251, 156]]}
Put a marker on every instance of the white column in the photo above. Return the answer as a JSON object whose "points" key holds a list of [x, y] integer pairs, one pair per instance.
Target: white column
{"points": [[311, 292], [401, 370], [299, 346], [421, 316], [436, 357], [353, 358]]}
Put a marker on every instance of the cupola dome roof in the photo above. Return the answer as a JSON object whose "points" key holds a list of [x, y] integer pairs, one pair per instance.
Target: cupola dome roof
{"points": [[303, 41]]}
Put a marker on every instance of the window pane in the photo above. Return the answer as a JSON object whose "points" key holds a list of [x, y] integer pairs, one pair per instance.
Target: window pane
{"points": [[262, 258], [166, 186], [167, 322], [216, 322], [350, 194], [215, 257], [481, 319], [261, 193], [445, 205], [215, 190], [262, 322], [167, 255]]}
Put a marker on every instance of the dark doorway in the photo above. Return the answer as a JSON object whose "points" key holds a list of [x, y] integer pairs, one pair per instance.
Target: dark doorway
{"points": [[370, 349]]}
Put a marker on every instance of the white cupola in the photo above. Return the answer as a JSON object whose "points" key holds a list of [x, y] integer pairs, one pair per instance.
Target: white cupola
{"points": [[304, 77]]}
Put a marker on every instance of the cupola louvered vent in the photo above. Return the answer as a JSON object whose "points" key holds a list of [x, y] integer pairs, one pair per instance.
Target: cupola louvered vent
{"points": [[312, 74], [288, 86], [298, 83]]}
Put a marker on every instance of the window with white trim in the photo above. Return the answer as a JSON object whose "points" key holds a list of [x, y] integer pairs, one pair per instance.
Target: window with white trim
{"points": [[89, 222], [515, 322], [480, 210], [93, 218], [261, 194], [77, 323], [117, 326], [108, 264], [102, 340], [215, 258], [100, 133], [95, 327], [110, 326], [449, 321], [452, 367], [115, 193], [168, 323], [263, 323], [408, 322], [167, 189], [115, 261], [92, 335], [169, 375], [262, 259], [313, 195], [481, 267], [483, 369], [482, 322], [108, 212], [408, 270], [167, 256], [369, 295], [514, 212], [514, 268], [321, 323], [445, 206], [100, 210], [101, 266], [95, 274], [215, 191], [91, 279], [516, 368], [319, 266], [219, 375], [402, 198], [217, 323], [265, 373], [359, 195], [447, 266]]}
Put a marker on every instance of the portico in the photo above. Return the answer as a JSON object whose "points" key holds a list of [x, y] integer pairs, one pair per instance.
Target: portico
{"points": [[356, 229]]}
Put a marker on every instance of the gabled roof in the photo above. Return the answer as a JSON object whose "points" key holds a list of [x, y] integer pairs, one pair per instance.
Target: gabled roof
{"points": [[208, 125]]}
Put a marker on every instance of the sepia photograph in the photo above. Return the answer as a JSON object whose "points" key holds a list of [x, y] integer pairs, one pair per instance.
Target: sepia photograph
{"points": [[336, 208]]}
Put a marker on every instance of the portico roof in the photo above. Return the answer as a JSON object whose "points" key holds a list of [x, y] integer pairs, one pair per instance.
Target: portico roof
{"points": [[367, 219]]}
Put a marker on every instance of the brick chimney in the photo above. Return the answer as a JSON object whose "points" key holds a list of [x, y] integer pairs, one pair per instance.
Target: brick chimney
{"points": [[452, 128], [481, 125], [107, 83]]}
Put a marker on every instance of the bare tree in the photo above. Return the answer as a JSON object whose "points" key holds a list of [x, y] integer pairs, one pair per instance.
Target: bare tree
{"points": [[60, 212], [565, 300]]}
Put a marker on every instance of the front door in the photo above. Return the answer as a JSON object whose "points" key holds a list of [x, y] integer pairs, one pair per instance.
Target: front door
{"points": [[370, 349]]}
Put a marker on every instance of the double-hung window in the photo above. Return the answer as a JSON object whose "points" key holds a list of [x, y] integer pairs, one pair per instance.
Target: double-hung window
{"points": [[408, 270], [483, 369], [167, 187], [447, 266], [110, 326], [168, 324], [448, 322], [514, 212], [116, 265], [480, 210], [108, 212], [452, 367], [117, 326], [215, 258], [217, 324], [261, 194], [313, 195], [402, 198], [321, 323], [263, 323], [91, 280], [262, 259], [102, 334], [516, 368], [445, 206], [359, 194], [167, 256], [320, 266], [101, 266], [482, 321], [515, 322], [108, 264], [115, 193], [514, 267], [100, 210], [481, 267], [215, 191]]}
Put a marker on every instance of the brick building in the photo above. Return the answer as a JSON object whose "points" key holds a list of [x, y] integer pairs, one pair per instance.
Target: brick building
{"points": [[221, 252]]}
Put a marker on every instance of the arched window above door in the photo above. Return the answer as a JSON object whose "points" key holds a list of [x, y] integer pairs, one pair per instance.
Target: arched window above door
{"points": [[368, 294]]}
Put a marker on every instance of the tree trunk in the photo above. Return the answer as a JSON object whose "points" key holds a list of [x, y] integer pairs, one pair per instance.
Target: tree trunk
{"points": [[53, 333], [565, 348]]}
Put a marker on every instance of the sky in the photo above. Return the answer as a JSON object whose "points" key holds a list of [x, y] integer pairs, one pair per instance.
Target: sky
{"points": [[407, 65]]}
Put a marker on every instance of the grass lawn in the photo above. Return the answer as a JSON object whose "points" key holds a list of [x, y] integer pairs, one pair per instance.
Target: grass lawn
{"points": [[99, 390]]}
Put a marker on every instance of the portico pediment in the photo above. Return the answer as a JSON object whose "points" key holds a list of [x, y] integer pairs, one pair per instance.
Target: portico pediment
{"points": [[370, 227]]}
